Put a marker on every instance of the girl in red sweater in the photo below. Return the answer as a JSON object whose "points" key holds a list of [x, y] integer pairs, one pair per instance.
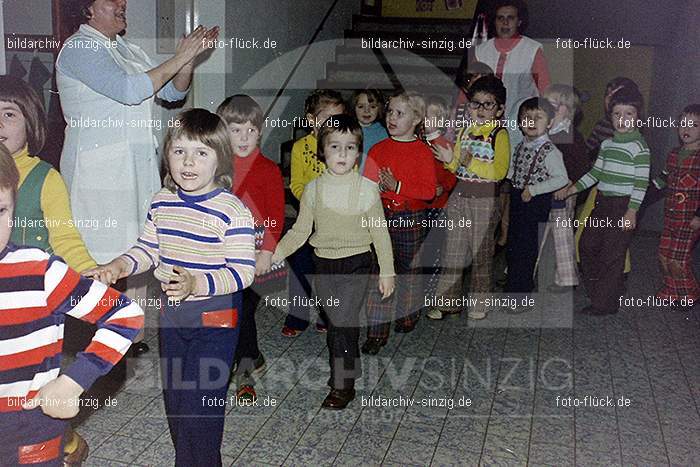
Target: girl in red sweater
{"points": [[403, 167], [257, 181]]}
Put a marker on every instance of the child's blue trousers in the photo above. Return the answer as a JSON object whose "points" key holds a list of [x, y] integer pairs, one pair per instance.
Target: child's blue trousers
{"points": [[197, 344], [28, 437]]}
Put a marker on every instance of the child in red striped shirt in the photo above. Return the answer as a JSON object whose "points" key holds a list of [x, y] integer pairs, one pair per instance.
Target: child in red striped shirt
{"points": [[37, 291]]}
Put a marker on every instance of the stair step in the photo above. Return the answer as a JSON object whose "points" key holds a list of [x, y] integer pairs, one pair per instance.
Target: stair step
{"points": [[422, 25], [447, 92], [425, 69], [421, 45], [353, 55]]}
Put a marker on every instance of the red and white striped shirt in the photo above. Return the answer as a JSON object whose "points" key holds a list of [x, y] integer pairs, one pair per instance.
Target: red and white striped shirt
{"points": [[37, 290]]}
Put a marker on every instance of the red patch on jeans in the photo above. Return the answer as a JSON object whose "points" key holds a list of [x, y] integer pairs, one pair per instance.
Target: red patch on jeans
{"points": [[220, 319], [40, 452]]}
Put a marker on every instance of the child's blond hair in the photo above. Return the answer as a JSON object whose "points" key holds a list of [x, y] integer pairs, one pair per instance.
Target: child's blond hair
{"points": [[416, 103], [561, 94]]}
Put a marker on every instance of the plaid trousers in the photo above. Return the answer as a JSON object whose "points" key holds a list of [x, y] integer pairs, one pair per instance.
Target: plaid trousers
{"points": [[676, 257], [407, 232], [560, 226], [468, 245]]}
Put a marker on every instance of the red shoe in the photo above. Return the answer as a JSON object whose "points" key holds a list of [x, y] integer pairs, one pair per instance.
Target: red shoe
{"points": [[246, 394], [290, 332]]}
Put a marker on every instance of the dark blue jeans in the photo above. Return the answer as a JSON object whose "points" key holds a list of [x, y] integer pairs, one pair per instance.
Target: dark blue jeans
{"points": [[196, 364]]}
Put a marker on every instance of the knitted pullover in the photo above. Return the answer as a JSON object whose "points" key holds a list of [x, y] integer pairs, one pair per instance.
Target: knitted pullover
{"points": [[346, 215], [622, 168]]}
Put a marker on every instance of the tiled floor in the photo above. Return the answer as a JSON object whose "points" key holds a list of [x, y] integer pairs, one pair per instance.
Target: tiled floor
{"points": [[513, 370]]}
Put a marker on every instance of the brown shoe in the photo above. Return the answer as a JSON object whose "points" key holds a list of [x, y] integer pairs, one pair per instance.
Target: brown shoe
{"points": [[373, 345], [338, 399], [76, 450]]}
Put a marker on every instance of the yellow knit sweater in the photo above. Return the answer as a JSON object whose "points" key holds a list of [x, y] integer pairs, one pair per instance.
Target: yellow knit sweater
{"points": [[55, 204]]}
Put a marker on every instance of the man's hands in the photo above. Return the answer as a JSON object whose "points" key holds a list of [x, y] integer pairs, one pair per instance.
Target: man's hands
{"points": [[58, 398], [526, 196]]}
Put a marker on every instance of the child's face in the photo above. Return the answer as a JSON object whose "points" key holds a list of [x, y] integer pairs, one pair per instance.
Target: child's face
{"points": [[689, 131], [244, 138], [401, 121], [326, 111], [13, 127], [193, 166], [341, 151], [6, 209], [366, 111], [534, 123], [623, 117], [432, 115], [483, 108]]}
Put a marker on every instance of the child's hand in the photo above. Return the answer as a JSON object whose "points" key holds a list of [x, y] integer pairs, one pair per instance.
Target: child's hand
{"points": [[263, 262], [466, 159], [439, 190], [562, 193], [276, 258], [386, 286], [442, 153], [571, 191], [629, 221], [526, 196], [695, 223], [181, 286], [58, 398], [109, 273], [387, 181]]}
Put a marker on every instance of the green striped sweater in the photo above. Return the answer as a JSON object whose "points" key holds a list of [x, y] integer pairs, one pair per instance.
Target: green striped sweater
{"points": [[621, 169]]}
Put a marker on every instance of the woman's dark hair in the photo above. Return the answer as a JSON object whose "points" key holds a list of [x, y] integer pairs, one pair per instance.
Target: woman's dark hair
{"points": [[628, 96], [536, 103], [78, 12], [19, 93], [490, 85], [340, 123], [523, 15]]}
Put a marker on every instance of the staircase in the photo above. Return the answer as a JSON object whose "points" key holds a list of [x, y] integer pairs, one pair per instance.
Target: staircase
{"points": [[416, 54], [429, 66]]}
